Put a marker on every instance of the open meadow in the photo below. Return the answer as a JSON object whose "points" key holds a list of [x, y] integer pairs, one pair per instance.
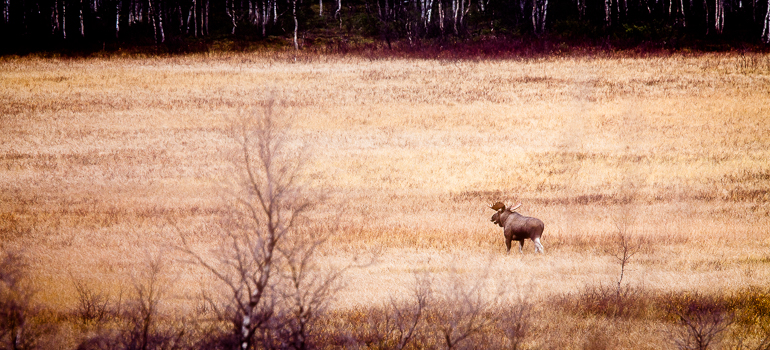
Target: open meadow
{"points": [[105, 163]]}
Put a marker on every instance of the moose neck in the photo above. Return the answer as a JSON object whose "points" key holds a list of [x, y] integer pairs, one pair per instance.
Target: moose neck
{"points": [[508, 213]]}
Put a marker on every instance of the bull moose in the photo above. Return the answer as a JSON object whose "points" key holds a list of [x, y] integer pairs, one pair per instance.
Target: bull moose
{"points": [[517, 227]]}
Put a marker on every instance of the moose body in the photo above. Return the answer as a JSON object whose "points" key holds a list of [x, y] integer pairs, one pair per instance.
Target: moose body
{"points": [[517, 227]]}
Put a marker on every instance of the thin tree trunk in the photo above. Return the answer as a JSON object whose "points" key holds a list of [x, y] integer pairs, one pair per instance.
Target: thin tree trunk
{"points": [[265, 16], [7, 11], [230, 11], [150, 13], [82, 29], [159, 13], [684, 17], [539, 13], [455, 10], [339, 8], [54, 16], [719, 16], [64, 19], [296, 23], [441, 16], [117, 18]]}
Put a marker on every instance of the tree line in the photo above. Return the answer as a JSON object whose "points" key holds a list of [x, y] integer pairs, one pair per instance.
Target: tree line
{"points": [[51, 24]]}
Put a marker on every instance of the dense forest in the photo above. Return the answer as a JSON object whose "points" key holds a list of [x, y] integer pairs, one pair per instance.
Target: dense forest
{"points": [[189, 25]]}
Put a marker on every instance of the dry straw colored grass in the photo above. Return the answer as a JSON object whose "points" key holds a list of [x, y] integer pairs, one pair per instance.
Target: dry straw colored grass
{"points": [[97, 154]]}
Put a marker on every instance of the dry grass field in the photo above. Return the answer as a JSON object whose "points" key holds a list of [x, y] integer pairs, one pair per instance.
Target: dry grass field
{"points": [[98, 156]]}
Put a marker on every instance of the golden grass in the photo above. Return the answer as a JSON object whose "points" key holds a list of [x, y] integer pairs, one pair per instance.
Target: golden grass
{"points": [[97, 154]]}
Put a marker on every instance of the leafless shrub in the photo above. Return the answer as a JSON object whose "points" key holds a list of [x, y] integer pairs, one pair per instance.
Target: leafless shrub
{"points": [[140, 324], [515, 322], [399, 323], [93, 307], [701, 323], [271, 288], [17, 310], [623, 248], [465, 310]]}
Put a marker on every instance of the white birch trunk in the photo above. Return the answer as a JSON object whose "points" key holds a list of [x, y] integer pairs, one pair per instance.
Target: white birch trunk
{"points": [[117, 18], [321, 8], [230, 11], [6, 11], [151, 14], [539, 13], [441, 16], [339, 8], [719, 16], [430, 13], [426, 7], [54, 16], [82, 29], [64, 19], [296, 23], [455, 10], [684, 16], [159, 14]]}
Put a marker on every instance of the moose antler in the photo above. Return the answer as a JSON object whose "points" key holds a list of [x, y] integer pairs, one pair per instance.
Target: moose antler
{"points": [[515, 207], [497, 206]]}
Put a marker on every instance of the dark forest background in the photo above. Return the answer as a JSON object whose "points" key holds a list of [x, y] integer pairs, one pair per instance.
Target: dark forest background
{"points": [[85, 26]]}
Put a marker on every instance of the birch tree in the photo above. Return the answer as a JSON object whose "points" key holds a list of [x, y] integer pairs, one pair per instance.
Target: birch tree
{"points": [[268, 281], [296, 23], [539, 12], [719, 16]]}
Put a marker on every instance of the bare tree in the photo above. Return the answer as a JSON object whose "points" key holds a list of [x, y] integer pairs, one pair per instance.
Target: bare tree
{"points": [[515, 321], [465, 310], [93, 306], [265, 261], [539, 13], [142, 310], [400, 321], [623, 249], [138, 323]]}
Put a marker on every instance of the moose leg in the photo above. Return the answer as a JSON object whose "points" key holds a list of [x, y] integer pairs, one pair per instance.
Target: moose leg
{"points": [[521, 246], [508, 244], [538, 246]]}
